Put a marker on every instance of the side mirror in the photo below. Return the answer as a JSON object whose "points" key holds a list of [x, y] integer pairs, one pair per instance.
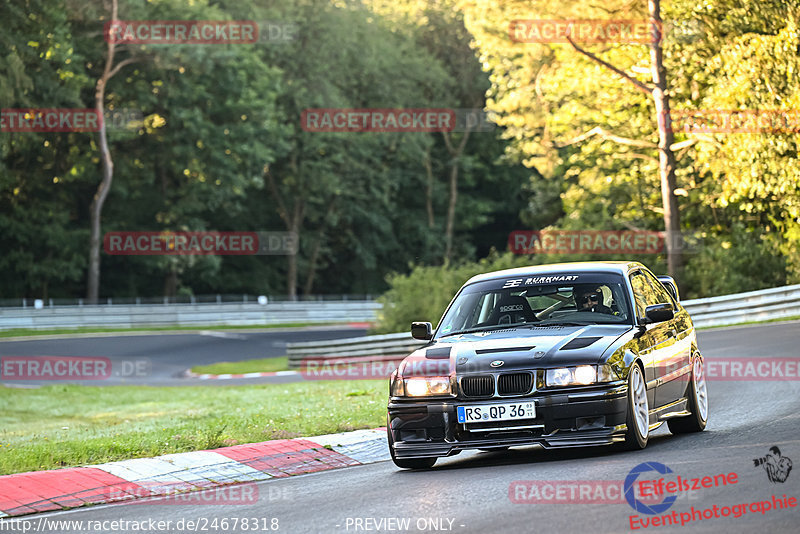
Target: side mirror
{"points": [[672, 288], [422, 331], [658, 313]]}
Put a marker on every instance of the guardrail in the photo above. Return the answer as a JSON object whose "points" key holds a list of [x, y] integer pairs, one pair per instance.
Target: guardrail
{"points": [[226, 314], [387, 347], [759, 305]]}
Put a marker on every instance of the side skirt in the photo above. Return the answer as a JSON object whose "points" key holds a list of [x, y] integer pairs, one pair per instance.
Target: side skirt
{"points": [[675, 409]]}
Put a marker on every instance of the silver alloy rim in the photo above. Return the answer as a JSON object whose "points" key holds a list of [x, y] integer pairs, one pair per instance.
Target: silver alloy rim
{"points": [[700, 391], [640, 410]]}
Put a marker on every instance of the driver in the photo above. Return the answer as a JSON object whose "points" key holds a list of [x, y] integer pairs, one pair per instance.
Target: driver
{"points": [[590, 299]]}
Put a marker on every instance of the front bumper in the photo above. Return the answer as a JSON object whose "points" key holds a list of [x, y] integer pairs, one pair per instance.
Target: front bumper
{"points": [[573, 418]]}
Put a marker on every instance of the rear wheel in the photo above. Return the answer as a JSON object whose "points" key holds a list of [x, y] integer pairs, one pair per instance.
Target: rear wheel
{"points": [[638, 416], [407, 463], [698, 403]]}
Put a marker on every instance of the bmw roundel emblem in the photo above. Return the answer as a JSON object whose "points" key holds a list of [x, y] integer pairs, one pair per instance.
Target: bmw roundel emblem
{"points": [[497, 363]]}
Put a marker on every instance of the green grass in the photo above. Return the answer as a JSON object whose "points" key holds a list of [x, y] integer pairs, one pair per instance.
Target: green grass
{"points": [[263, 365], [67, 425], [15, 332]]}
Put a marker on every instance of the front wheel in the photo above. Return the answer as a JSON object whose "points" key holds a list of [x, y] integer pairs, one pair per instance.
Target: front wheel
{"points": [[638, 415], [698, 403], [406, 463]]}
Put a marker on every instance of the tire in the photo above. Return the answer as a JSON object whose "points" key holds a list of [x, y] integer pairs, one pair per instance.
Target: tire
{"points": [[698, 403], [637, 419], [407, 463]]}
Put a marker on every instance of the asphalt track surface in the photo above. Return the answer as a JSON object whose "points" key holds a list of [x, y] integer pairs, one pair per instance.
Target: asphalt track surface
{"points": [[472, 489], [160, 359]]}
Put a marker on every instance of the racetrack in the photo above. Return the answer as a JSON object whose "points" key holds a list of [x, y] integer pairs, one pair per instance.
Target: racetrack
{"points": [[160, 359], [472, 489]]}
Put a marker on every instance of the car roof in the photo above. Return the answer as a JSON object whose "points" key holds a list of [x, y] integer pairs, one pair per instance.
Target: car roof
{"points": [[618, 267]]}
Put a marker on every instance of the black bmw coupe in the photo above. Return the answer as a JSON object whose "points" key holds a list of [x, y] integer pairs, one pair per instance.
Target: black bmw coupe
{"points": [[565, 355]]}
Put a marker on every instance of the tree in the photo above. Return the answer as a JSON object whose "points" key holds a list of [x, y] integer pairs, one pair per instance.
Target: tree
{"points": [[110, 69]]}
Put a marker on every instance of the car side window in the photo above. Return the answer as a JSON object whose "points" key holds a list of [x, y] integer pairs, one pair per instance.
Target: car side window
{"points": [[661, 292], [643, 293]]}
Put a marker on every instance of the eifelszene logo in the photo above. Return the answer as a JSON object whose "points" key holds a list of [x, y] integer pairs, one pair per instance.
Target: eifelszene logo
{"points": [[638, 505]]}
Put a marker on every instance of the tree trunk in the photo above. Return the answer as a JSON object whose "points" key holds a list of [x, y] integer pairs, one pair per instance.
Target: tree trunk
{"points": [[99, 199], [293, 224], [171, 282], [451, 211], [312, 261], [429, 189], [666, 157], [455, 154], [96, 209], [312, 264], [291, 272]]}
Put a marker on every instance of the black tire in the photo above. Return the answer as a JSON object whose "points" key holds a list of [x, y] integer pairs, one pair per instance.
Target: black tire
{"points": [[407, 463], [634, 439], [696, 422]]}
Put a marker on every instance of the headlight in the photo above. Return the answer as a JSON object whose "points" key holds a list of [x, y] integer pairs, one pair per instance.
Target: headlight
{"points": [[424, 386], [582, 375], [559, 377], [585, 374]]}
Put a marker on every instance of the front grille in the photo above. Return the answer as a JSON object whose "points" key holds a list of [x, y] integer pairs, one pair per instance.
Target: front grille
{"points": [[478, 386], [514, 383]]}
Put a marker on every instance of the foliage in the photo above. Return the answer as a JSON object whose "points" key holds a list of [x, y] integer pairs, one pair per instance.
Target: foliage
{"points": [[424, 293], [221, 121]]}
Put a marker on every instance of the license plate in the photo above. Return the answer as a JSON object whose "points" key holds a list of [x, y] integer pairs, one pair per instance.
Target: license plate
{"points": [[484, 413]]}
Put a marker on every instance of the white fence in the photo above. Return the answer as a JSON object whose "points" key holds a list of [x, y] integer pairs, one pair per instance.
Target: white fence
{"points": [[760, 305], [122, 316]]}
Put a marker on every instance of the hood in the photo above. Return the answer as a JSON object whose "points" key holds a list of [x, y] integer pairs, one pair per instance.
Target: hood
{"points": [[518, 348]]}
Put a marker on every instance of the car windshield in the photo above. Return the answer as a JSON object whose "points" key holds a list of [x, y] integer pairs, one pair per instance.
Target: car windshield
{"points": [[538, 300]]}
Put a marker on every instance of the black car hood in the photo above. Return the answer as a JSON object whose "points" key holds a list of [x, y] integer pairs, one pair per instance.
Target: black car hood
{"points": [[522, 348]]}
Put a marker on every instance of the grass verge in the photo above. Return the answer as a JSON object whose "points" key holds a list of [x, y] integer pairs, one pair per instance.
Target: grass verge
{"points": [[18, 332], [67, 425], [263, 365]]}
